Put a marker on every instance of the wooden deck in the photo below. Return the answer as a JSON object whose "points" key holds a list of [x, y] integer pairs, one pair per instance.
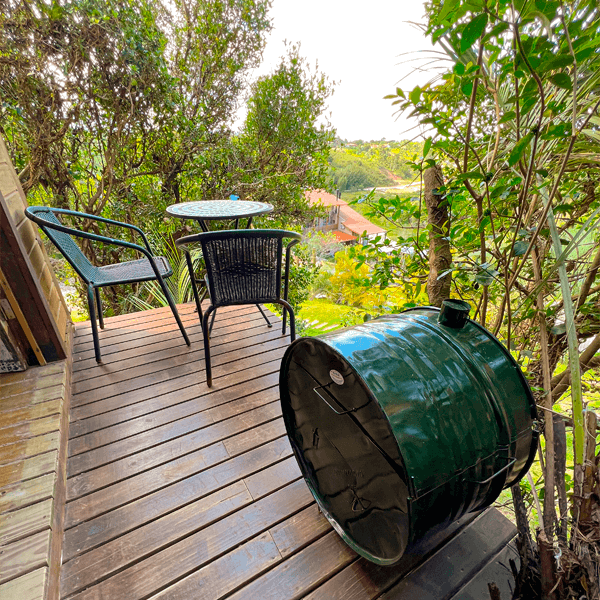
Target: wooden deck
{"points": [[178, 491]]}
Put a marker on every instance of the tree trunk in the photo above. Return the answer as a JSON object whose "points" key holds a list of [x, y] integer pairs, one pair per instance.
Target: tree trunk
{"points": [[438, 217]]}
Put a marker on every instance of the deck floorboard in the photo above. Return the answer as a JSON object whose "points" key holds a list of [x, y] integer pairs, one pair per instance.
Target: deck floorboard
{"points": [[180, 491]]}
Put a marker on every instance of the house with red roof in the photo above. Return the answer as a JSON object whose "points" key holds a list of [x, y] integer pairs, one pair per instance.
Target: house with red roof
{"points": [[344, 222]]}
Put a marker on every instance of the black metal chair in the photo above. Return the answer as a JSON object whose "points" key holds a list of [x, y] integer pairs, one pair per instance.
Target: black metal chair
{"points": [[243, 266], [145, 269]]}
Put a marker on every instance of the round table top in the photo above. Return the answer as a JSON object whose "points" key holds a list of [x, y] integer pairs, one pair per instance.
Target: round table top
{"points": [[205, 210]]}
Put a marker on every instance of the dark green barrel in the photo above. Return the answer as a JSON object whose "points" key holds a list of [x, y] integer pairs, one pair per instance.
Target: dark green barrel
{"points": [[405, 423]]}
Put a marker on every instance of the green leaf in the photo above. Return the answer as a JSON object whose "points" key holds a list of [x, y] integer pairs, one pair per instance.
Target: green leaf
{"points": [[498, 190], [557, 62], [562, 80], [426, 147], [448, 7], [559, 329], [467, 88], [415, 95], [497, 30], [519, 149], [520, 248], [473, 32], [485, 277], [509, 116]]}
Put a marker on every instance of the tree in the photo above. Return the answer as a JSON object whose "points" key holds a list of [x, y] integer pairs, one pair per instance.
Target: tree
{"points": [[105, 102], [283, 148], [121, 108], [513, 119]]}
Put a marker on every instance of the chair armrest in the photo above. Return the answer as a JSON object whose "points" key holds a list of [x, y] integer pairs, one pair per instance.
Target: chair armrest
{"points": [[147, 250]]}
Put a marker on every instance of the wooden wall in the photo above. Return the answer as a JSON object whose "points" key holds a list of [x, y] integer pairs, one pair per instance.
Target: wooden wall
{"points": [[42, 322]]}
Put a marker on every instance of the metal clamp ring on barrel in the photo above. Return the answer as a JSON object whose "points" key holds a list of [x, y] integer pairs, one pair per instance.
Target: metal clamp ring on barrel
{"points": [[337, 412], [512, 461]]}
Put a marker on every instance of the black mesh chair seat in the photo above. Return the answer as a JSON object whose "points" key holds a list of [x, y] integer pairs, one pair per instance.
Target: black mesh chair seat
{"points": [[243, 266], [144, 269], [140, 270]]}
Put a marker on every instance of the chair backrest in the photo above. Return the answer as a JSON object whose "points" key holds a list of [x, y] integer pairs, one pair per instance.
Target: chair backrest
{"points": [[47, 219], [243, 266]]}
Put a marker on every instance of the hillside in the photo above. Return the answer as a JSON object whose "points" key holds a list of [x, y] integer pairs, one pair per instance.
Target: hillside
{"points": [[358, 165]]}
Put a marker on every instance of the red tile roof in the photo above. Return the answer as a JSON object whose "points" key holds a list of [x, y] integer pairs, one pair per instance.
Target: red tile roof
{"points": [[323, 198], [356, 223], [341, 236]]}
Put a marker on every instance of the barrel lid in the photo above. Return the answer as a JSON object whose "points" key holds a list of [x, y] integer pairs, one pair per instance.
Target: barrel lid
{"points": [[346, 450]]}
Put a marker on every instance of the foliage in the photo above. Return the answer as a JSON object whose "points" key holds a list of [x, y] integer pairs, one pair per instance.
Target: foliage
{"points": [[283, 147], [359, 165], [513, 119], [122, 108], [351, 172]]}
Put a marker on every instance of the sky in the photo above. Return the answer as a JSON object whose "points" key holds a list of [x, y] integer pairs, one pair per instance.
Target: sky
{"points": [[358, 45]]}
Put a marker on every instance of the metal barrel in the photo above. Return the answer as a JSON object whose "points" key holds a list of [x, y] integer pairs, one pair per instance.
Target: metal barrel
{"points": [[405, 423]]}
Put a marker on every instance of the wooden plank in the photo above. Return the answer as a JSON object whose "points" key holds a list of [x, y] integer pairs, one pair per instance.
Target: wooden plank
{"points": [[28, 468], [25, 521], [29, 429], [24, 555], [23, 493], [184, 376], [461, 559], [165, 346], [268, 480], [140, 402], [227, 573], [300, 530], [192, 360], [179, 412], [95, 503], [128, 490], [27, 587], [130, 467], [101, 387], [152, 447], [109, 558], [34, 374], [29, 447], [188, 396], [254, 437], [302, 572], [498, 571], [25, 400], [31, 412], [364, 580], [165, 567], [137, 322], [28, 386], [152, 316], [97, 531], [141, 333]]}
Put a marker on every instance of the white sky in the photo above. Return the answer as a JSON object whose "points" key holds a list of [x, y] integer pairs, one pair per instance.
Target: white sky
{"points": [[357, 44]]}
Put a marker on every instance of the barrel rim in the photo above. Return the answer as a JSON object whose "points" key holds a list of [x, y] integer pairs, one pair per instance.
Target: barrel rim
{"points": [[284, 391]]}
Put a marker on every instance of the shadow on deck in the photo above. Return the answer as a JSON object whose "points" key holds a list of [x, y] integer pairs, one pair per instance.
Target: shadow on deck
{"points": [[178, 491]]}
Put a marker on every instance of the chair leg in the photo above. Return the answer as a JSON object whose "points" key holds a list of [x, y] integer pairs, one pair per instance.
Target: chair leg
{"points": [[99, 305], [287, 308], [92, 311], [262, 312], [197, 298], [206, 336], [173, 309], [212, 322]]}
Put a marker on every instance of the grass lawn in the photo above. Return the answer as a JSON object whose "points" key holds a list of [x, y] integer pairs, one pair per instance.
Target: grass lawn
{"points": [[323, 316]]}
